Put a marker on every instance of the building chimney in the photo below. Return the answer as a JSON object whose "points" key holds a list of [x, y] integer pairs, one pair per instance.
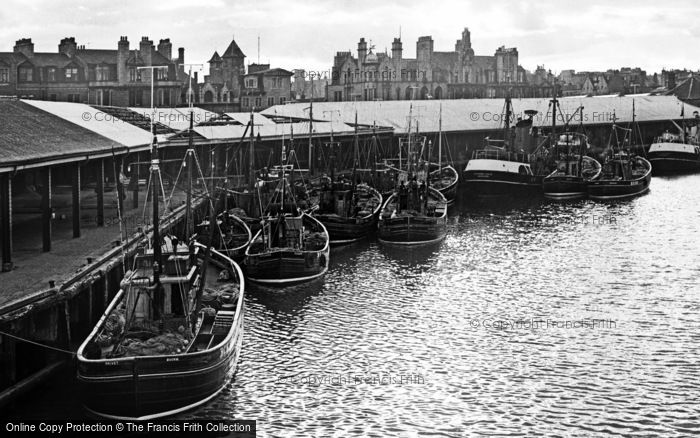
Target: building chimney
{"points": [[146, 50], [181, 55], [165, 48], [362, 50], [122, 57], [396, 49], [24, 46], [68, 47]]}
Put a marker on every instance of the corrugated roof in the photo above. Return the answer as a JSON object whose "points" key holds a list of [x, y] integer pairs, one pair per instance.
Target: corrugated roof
{"points": [[176, 118], [485, 114], [95, 120], [29, 134], [275, 130], [244, 118]]}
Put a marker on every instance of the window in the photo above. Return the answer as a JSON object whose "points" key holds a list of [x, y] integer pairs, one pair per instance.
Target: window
{"points": [[245, 102], [258, 102], [282, 100], [73, 98], [52, 97], [337, 96], [134, 74], [251, 83], [270, 101], [161, 74], [4, 74], [51, 74], [71, 73], [102, 73], [26, 74]]}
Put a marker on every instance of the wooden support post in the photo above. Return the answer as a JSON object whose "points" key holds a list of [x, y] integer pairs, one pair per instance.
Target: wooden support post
{"points": [[66, 314], [100, 193], [8, 361], [135, 182], [46, 209], [75, 185], [6, 221]]}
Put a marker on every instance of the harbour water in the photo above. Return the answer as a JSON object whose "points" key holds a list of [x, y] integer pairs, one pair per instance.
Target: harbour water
{"points": [[574, 319]]}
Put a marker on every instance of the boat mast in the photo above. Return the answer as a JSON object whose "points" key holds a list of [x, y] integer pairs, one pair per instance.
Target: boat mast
{"points": [[410, 119], [189, 220], [311, 130], [157, 252], [439, 143], [355, 157], [251, 155]]}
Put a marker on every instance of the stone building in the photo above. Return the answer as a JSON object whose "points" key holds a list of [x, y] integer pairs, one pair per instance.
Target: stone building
{"points": [[264, 87], [94, 76], [223, 84], [432, 74]]}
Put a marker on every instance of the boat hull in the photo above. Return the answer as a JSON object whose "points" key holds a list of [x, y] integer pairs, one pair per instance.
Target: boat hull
{"points": [[154, 387], [413, 229], [609, 190], [673, 162], [565, 187], [286, 267], [450, 190], [141, 388], [493, 183], [347, 230]]}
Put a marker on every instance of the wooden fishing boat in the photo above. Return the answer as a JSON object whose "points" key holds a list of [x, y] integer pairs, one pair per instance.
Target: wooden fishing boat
{"points": [[672, 153], [349, 212], [411, 218], [574, 170], [445, 179], [133, 366], [170, 338], [292, 247], [623, 176], [232, 234]]}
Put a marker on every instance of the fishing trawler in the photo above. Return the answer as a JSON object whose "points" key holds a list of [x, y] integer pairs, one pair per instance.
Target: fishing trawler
{"points": [[624, 173], [501, 168], [170, 339], [675, 153], [574, 170], [415, 213], [291, 246]]}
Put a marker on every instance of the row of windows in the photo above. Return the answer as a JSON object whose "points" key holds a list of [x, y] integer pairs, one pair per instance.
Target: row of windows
{"points": [[245, 102], [51, 74], [275, 82]]}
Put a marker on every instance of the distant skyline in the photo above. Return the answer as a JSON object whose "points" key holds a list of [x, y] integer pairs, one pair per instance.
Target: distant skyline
{"points": [[592, 35]]}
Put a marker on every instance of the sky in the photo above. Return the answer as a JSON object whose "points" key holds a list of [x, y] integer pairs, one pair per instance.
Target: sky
{"points": [[588, 35]]}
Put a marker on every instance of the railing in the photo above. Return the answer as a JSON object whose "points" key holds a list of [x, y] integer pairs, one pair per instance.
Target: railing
{"points": [[492, 154]]}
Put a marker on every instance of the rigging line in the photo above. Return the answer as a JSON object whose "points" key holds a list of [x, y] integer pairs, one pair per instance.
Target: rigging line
{"points": [[145, 203], [122, 230], [72, 353], [177, 178]]}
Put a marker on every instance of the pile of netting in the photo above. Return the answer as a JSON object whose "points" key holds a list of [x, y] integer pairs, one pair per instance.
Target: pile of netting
{"points": [[113, 328], [315, 241], [165, 344], [215, 298]]}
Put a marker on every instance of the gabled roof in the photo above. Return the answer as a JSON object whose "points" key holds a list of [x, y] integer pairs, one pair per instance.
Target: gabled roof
{"points": [[158, 59], [272, 72], [98, 56], [215, 57], [135, 58], [49, 60], [233, 51], [688, 89]]}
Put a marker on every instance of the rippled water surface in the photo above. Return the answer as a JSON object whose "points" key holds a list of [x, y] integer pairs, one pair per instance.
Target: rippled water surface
{"points": [[536, 318], [532, 318]]}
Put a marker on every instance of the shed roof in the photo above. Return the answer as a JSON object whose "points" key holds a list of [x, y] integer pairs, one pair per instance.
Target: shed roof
{"points": [[30, 135], [95, 120], [486, 114]]}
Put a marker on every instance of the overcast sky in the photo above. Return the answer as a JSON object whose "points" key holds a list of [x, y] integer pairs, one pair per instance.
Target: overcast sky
{"points": [[561, 34]]}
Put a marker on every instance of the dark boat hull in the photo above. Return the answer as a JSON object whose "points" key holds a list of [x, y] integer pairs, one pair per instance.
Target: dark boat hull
{"points": [[286, 267], [449, 191], [496, 184], [673, 162], [564, 187], [139, 388], [152, 387], [347, 230], [412, 230], [608, 190]]}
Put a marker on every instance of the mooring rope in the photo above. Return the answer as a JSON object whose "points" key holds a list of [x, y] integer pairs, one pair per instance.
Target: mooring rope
{"points": [[37, 343]]}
